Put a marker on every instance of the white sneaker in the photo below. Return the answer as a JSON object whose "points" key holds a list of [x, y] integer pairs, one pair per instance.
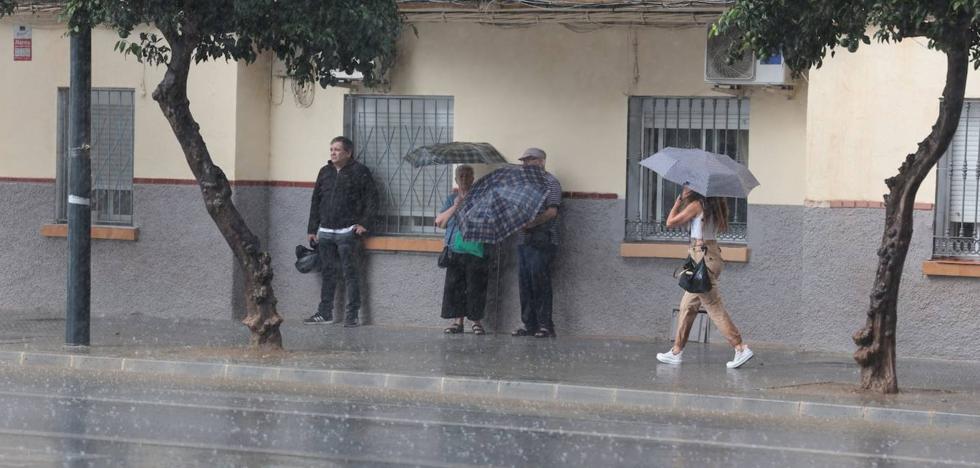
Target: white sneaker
{"points": [[669, 357], [741, 357]]}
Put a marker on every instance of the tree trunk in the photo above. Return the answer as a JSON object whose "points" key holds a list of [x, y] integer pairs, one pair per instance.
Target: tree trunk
{"points": [[171, 94], [876, 341]]}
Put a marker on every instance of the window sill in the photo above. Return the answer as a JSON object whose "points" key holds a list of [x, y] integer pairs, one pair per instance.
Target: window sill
{"points": [[403, 244], [961, 268], [121, 233], [730, 253]]}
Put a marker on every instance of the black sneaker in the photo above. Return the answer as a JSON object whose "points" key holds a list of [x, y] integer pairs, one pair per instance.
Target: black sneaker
{"points": [[317, 319], [353, 324]]}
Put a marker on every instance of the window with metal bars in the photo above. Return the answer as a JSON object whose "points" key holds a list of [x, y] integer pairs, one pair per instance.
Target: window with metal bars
{"points": [[716, 124], [112, 157], [957, 214], [385, 129]]}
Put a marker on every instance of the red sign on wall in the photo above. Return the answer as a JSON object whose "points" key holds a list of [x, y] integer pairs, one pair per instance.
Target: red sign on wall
{"points": [[22, 44]]}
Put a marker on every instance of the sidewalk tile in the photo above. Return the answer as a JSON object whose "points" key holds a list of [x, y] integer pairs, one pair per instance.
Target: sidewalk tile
{"points": [[410, 382], [42, 359], [821, 410], [956, 421], [527, 390], [10, 357], [238, 371], [310, 376], [585, 394], [196, 369], [646, 398], [359, 379], [469, 386], [97, 363], [764, 407], [705, 402]]}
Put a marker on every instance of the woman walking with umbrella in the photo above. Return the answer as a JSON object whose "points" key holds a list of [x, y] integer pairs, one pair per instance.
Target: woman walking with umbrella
{"points": [[707, 178], [707, 217]]}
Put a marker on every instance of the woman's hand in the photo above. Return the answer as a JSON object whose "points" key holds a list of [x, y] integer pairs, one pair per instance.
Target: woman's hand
{"points": [[678, 216]]}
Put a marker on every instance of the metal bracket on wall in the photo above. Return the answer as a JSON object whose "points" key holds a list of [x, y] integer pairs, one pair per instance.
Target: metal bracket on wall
{"points": [[789, 91]]}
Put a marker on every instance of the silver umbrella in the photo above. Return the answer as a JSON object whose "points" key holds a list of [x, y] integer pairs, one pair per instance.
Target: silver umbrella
{"points": [[710, 174]]}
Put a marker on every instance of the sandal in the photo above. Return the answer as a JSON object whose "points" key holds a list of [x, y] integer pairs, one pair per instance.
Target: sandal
{"points": [[544, 333], [454, 329], [478, 329]]}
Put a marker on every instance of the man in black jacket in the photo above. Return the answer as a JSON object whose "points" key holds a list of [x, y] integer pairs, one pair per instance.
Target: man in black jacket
{"points": [[345, 200]]}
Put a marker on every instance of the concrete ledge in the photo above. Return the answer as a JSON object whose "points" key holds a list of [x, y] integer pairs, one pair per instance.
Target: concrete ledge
{"points": [[122, 233], [505, 389], [730, 253], [963, 268], [404, 244]]}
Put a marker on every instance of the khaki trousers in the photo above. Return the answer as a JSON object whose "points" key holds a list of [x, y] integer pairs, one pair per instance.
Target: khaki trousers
{"points": [[711, 300]]}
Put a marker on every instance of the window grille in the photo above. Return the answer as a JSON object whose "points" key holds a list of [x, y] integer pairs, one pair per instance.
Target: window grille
{"points": [[385, 129], [111, 155], [719, 125], [957, 224]]}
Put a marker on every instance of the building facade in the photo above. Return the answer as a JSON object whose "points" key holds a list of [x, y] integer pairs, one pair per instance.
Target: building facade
{"points": [[598, 98]]}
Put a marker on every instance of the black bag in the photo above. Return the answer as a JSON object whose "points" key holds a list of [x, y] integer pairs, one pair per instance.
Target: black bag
{"points": [[445, 257], [694, 277], [307, 259]]}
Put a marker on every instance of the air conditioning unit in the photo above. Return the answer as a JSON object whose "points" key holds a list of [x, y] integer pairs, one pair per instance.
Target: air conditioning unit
{"points": [[750, 70]]}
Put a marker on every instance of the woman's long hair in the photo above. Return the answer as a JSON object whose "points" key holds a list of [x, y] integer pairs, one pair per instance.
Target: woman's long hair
{"points": [[715, 209]]}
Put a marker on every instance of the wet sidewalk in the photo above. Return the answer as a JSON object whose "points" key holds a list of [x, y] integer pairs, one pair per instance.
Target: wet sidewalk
{"points": [[778, 381]]}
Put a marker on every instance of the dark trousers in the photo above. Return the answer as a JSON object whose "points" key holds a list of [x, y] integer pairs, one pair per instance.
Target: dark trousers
{"points": [[338, 256], [465, 293], [535, 282]]}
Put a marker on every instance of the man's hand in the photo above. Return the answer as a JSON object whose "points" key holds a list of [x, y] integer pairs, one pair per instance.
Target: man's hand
{"points": [[312, 239], [359, 230]]}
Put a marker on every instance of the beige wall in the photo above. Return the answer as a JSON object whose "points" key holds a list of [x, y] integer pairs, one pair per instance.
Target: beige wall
{"points": [[548, 86], [252, 112], [28, 91], [300, 136], [866, 112]]}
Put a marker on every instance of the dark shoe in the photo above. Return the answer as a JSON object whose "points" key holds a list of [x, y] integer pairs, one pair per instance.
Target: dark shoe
{"points": [[454, 329], [544, 333], [521, 332], [353, 324], [478, 329], [317, 319]]}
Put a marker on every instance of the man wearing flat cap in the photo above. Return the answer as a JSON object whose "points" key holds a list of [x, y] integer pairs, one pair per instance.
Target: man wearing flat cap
{"points": [[537, 246]]}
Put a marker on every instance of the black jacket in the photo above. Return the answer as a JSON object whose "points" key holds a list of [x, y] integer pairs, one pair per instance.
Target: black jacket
{"points": [[342, 199]]}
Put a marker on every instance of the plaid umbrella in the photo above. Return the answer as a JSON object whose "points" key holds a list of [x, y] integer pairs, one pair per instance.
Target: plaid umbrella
{"points": [[501, 202], [710, 174], [454, 153]]}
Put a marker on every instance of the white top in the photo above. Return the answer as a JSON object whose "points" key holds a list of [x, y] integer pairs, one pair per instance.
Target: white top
{"points": [[701, 230]]}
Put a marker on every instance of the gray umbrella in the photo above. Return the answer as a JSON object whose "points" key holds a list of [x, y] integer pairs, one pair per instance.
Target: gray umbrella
{"points": [[458, 152], [710, 174]]}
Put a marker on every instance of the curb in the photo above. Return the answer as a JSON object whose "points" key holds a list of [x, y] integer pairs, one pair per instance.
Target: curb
{"points": [[507, 389]]}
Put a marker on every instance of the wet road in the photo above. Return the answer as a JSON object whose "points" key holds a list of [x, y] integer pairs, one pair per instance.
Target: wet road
{"points": [[54, 417]]}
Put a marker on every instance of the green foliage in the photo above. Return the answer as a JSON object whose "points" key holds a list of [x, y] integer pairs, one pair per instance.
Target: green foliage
{"points": [[806, 31], [312, 37], [7, 7]]}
